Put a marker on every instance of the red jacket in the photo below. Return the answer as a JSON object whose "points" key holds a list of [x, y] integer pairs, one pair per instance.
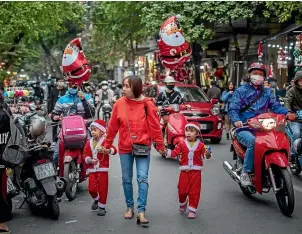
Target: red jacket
{"points": [[144, 127], [90, 153], [190, 157]]}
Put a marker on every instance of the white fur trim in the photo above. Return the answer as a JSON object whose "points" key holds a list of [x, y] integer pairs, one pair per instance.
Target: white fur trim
{"points": [[98, 126], [102, 169], [86, 160], [193, 126], [97, 198], [192, 209], [193, 168], [184, 203], [101, 205], [169, 153]]}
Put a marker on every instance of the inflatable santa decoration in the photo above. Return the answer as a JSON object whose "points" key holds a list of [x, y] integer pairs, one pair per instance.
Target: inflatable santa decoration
{"points": [[75, 66], [173, 48]]}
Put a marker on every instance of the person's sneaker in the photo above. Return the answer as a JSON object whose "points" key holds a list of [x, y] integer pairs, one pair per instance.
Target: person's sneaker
{"points": [[245, 180], [101, 212], [94, 205]]}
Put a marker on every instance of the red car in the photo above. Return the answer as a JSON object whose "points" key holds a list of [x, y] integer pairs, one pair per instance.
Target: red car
{"points": [[203, 111]]}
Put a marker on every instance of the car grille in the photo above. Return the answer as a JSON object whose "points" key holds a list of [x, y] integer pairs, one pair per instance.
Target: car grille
{"points": [[196, 114]]}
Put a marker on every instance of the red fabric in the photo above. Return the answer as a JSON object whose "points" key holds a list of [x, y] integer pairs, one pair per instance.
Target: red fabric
{"points": [[182, 150], [103, 158], [4, 184], [142, 127], [260, 51], [98, 186], [189, 187]]}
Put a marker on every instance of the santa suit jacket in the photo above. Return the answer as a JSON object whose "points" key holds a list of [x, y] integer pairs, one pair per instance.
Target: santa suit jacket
{"points": [[92, 153], [190, 157]]}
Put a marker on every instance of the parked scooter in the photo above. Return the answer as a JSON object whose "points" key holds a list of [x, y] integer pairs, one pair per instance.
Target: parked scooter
{"points": [[72, 139], [295, 163], [34, 173], [270, 160]]}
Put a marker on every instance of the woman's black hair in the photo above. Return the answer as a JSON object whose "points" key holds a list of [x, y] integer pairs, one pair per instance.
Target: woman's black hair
{"points": [[227, 88]]}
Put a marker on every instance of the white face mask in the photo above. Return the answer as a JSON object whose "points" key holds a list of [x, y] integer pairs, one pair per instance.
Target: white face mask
{"points": [[60, 83], [105, 87], [257, 79]]}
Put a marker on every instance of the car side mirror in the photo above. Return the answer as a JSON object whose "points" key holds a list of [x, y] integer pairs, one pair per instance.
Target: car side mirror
{"points": [[214, 101]]}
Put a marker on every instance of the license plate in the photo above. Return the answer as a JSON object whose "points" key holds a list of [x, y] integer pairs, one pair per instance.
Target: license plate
{"points": [[44, 171], [10, 185], [203, 126]]}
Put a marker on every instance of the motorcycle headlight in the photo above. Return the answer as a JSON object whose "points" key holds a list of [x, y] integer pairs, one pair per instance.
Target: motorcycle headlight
{"points": [[268, 124], [215, 110]]}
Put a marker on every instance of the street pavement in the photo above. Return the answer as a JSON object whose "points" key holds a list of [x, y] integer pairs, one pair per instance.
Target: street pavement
{"points": [[223, 208]]}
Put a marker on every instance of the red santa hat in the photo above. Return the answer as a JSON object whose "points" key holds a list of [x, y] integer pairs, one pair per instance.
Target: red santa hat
{"points": [[100, 124], [194, 125]]}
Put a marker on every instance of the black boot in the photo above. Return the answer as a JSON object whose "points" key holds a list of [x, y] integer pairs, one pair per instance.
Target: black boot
{"points": [[228, 136]]}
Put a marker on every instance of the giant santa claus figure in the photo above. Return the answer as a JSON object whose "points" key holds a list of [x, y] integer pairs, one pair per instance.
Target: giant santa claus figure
{"points": [[75, 66], [174, 49]]}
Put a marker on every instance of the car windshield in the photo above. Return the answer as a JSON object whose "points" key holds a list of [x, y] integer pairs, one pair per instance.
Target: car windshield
{"points": [[190, 94]]}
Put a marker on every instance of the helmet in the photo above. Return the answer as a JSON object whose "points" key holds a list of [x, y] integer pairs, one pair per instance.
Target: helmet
{"points": [[113, 82], [257, 66], [37, 126], [104, 82], [169, 79]]}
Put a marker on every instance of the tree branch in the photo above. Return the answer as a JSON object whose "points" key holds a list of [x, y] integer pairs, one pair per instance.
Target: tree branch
{"points": [[249, 38]]}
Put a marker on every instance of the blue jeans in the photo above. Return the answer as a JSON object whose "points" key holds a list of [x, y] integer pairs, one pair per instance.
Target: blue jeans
{"points": [[296, 134], [247, 139], [56, 153], [142, 169]]}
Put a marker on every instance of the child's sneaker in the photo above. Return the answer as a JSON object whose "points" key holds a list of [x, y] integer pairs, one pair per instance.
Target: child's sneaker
{"points": [[101, 212], [183, 208], [94, 205], [191, 215]]}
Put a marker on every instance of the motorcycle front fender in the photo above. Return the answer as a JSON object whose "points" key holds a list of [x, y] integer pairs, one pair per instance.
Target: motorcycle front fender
{"points": [[277, 158], [49, 185]]}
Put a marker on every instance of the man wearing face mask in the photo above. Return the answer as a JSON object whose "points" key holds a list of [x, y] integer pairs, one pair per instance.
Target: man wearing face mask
{"points": [[101, 95], [56, 92], [77, 103], [168, 97], [248, 101]]}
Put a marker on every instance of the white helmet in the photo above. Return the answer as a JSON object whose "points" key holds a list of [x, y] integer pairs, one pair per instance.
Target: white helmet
{"points": [[104, 82], [169, 79]]}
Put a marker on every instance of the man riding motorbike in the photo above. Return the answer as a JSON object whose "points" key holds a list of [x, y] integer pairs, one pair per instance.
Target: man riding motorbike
{"points": [[293, 103], [77, 103], [115, 90], [248, 101], [101, 95], [168, 97]]}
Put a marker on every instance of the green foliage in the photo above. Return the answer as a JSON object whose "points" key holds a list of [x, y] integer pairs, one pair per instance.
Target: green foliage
{"points": [[286, 10]]}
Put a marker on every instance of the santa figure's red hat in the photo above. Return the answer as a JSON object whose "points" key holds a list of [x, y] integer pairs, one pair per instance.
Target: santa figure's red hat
{"points": [[194, 125], [100, 124]]}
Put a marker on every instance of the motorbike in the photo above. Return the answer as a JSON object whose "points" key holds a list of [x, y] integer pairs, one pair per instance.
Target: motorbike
{"points": [[72, 139], [107, 109], [270, 160], [34, 174], [295, 163], [175, 125]]}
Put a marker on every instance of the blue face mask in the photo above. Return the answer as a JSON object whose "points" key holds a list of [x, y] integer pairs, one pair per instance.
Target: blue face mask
{"points": [[72, 91]]}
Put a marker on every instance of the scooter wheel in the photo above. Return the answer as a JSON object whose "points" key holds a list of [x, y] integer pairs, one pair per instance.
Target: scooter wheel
{"points": [[53, 207], [71, 182]]}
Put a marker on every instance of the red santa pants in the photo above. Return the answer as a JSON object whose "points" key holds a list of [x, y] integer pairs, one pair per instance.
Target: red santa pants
{"points": [[189, 188], [98, 187]]}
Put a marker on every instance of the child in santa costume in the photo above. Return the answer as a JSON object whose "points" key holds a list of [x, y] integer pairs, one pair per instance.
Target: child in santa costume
{"points": [[97, 160], [191, 152]]}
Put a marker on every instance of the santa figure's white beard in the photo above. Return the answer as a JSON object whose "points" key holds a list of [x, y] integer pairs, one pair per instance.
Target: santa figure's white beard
{"points": [[175, 39]]}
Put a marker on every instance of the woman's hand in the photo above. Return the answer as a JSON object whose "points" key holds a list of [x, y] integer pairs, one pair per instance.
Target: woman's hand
{"points": [[103, 150]]}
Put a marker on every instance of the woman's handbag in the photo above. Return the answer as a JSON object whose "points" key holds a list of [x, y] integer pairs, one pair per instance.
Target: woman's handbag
{"points": [[138, 150]]}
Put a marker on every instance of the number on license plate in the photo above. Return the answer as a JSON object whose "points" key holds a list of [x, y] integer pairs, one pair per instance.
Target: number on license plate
{"points": [[203, 126], [44, 171], [10, 185]]}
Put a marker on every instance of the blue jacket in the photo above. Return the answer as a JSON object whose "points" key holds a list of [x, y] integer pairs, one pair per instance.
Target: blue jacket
{"points": [[244, 95], [84, 108], [226, 97]]}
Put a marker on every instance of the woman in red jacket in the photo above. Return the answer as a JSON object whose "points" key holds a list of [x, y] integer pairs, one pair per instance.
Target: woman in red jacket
{"points": [[136, 116]]}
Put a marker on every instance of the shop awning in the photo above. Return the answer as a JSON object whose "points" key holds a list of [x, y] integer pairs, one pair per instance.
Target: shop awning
{"points": [[285, 31]]}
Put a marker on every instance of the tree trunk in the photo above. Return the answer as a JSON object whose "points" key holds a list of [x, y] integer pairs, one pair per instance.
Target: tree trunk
{"points": [[238, 56], [249, 38], [132, 52], [50, 57], [10, 57]]}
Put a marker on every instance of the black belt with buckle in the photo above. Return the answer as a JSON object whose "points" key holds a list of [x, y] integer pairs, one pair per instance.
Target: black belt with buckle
{"points": [[76, 70], [182, 53]]}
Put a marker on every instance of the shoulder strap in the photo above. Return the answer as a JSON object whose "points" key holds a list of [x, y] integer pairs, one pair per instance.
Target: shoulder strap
{"points": [[252, 102], [130, 135]]}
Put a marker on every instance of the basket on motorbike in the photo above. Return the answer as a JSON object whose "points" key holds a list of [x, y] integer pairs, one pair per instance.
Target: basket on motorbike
{"points": [[74, 131]]}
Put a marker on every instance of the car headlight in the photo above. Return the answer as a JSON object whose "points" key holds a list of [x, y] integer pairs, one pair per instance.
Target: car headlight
{"points": [[268, 124], [215, 110]]}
